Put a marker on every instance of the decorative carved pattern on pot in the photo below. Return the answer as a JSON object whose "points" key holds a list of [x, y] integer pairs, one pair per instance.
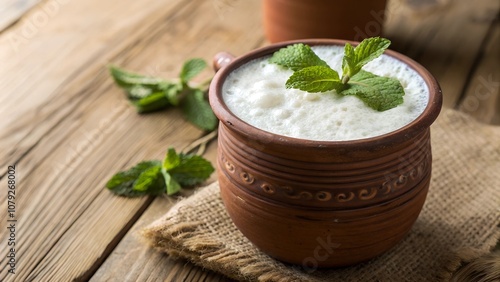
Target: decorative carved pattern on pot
{"points": [[394, 183], [365, 194], [268, 188], [343, 197], [247, 177], [228, 166], [291, 193]]}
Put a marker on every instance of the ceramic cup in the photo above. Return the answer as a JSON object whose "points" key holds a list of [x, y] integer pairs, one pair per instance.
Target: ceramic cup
{"points": [[295, 19], [322, 203]]}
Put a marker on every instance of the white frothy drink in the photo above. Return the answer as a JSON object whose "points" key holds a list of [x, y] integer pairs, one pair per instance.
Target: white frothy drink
{"points": [[256, 93]]}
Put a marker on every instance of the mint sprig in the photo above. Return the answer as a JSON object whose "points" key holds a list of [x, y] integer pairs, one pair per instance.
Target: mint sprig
{"points": [[312, 74], [156, 177], [150, 94]]}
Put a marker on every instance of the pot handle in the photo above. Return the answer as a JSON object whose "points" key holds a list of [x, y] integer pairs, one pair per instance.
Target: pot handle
{"points": [[221, 60]]}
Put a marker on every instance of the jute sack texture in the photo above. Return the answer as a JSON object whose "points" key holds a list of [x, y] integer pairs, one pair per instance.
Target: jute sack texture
{"points": [[457, 228]]}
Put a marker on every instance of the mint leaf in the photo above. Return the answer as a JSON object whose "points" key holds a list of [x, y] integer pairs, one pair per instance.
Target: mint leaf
{"points": [[192, 68], [146, 92], [312, 74], [172, 92], [197, 110], [315, 79], [155, 177], [129, 79], [150, 181], [296, 57], [153, 102], [355, 58], [173, 186], [192, 170], [138, 92], [379, 93], [122, 183], [172, 159], [348, 63], [149, 94], [185, 170]]}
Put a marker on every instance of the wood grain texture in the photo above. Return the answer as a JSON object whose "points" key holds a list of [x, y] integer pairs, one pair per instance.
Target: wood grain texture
{"points": [[68, 128], [12, 10], [37, 68], [145, 264], [67, 222], [78, 130], [132, 260], [482, 98], [444, 36]]}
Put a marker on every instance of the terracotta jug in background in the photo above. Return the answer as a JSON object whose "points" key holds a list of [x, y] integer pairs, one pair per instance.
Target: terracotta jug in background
{"points": [[298, 19]]}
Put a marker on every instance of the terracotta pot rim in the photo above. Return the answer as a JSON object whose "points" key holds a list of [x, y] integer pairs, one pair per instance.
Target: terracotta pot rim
{"points": [[231, 121]]}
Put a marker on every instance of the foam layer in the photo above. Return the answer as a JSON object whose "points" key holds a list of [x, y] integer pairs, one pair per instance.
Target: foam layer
{"points": [[256, 93]]}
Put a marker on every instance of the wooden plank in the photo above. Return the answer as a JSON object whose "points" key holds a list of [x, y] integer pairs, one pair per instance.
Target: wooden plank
{"points": [[64, 149], [63, 177], [69, 222], [37, 67], [12, 10], [482, 98], [445, 38], [143, 263], [134, 261]]}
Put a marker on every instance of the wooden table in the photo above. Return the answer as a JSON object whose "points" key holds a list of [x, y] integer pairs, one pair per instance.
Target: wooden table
{"points": [[67, 128]]}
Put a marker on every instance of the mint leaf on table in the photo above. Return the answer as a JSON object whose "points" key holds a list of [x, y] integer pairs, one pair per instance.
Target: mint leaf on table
{"points": [[152, 102], [173, 93], [197, 110], [192, 68], [192, 170], [171, 160], [311, 74], [123, 182], [172, 185], [130, 79], [150, 181], [355, 58], [315, 79], [150, 94], [156, 177], [138, 92], [297, 57], [186, 170], [378, 92]]}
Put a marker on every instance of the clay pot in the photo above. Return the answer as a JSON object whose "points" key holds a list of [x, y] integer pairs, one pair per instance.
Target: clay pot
{"points": [[322, 203], [297, 19]]}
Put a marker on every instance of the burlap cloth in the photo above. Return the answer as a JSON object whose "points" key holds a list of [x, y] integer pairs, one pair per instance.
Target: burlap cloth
{"points": [[460, 220]]}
